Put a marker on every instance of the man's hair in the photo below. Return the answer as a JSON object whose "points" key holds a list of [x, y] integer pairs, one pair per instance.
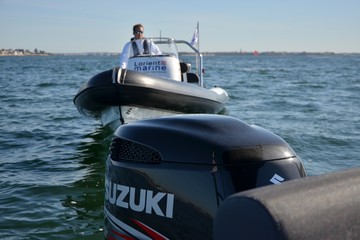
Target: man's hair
{"points": [[137, 26]]}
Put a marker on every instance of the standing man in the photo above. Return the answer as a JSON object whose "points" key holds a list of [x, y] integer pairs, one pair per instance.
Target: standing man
{"points": [[137, 46]]}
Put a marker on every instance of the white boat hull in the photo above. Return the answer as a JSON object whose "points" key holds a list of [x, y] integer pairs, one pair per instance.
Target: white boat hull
{"points": [[115, 116]]}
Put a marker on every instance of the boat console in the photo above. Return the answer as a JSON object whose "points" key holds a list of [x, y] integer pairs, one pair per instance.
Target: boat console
{"points": [[164, 66], [168, 64]]}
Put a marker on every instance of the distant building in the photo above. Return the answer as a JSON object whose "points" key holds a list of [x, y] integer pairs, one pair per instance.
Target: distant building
{"points": [[21, 52]]}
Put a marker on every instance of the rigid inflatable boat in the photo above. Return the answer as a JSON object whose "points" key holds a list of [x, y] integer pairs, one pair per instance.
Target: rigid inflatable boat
{"points": [[151, 86]]}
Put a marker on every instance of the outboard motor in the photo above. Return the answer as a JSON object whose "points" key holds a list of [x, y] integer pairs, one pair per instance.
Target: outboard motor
{"points": [[166, 177]]}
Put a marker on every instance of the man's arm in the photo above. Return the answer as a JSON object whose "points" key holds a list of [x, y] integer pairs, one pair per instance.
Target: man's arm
{"points": [[125, 54]]}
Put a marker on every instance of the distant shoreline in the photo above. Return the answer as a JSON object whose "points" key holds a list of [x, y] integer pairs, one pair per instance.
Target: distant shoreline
{"points": [[22, 52], [25, 55], [181, 53]]}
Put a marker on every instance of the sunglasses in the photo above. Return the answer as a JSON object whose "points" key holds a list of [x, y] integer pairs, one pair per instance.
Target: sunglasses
{"points": [[139, 32]]}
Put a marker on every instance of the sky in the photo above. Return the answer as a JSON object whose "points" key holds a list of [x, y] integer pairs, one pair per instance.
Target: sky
{"points": [[77, 26]]}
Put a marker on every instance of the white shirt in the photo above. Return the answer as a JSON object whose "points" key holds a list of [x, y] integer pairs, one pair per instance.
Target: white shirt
{"points": [[128, 52]]}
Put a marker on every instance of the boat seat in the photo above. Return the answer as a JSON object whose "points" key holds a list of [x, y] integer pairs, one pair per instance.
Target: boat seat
{"points": [[184, 67], [186, 75], [192, 78]]}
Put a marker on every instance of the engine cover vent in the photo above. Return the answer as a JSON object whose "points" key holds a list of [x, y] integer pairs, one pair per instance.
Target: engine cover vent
{"points": [[125, 150]]}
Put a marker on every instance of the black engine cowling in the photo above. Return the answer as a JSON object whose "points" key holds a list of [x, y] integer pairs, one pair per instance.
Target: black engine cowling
{"points": [[166, 177]]}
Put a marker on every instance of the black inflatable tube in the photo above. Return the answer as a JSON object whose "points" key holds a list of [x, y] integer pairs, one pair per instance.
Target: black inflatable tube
{"points": [[317, 207], [137, 89]]}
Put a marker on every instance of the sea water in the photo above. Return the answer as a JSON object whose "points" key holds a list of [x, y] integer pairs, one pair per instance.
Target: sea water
{"points": [[52, 159]]}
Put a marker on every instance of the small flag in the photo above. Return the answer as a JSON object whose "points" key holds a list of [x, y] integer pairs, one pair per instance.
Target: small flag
{"points": [[195, 39]]}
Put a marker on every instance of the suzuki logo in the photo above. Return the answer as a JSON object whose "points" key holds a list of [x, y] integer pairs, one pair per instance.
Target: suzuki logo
{"points": [[139, 200], [276, 179]]}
